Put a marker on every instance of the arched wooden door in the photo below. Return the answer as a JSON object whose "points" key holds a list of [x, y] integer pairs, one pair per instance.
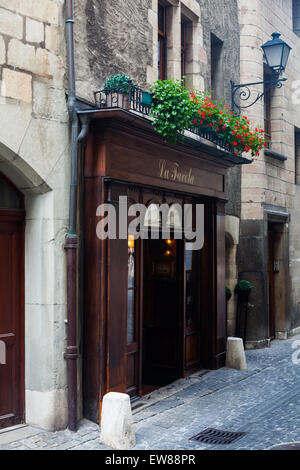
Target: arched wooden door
{"points": [[12, 217]]}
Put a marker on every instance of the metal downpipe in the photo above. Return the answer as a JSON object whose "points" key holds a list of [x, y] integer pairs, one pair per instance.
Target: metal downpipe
{"points": [[71, 244]]}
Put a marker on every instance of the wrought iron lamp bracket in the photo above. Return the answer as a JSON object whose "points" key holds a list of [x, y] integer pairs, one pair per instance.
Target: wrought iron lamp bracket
{"points": [[244, 94]]}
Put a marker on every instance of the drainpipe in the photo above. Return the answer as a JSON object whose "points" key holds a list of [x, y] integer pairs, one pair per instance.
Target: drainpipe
{"points": [[71, 244]]}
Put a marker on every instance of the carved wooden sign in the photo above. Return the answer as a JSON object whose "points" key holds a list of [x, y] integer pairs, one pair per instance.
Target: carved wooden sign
{"points": [[173, 171]]}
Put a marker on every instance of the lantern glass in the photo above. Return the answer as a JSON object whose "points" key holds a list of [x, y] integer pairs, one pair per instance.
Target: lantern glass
{"points": [[285, 56], [276, 53]]}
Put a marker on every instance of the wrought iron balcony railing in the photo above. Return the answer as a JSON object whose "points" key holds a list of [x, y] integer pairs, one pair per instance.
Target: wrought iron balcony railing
{"points": [[133, 100], [137, 100]]}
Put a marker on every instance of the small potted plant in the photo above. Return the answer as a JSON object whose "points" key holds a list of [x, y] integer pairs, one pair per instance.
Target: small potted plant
{"points": [[117, 89], [243, 288]]}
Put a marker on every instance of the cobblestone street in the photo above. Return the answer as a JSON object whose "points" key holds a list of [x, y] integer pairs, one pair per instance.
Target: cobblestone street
{"points": [[263, 402]]}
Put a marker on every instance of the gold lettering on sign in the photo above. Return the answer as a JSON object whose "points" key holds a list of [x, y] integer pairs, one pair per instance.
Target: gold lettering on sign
{"points": [[172, 171]]}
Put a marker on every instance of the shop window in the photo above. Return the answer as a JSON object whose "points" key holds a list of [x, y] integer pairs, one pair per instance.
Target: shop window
{"points": [[152, 216], [175, 217], [267, 105], [192, 285], [296, 17], [217, 73], [162, 42], [131, 291], [297, 155]]}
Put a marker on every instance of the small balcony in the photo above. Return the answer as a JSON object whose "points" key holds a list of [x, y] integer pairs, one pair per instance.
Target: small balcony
{"points": [[138, 102]]}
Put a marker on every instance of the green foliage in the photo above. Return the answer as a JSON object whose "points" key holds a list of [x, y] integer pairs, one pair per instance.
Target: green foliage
{"points": [[171, 108], [228, 294], [243, 287], [174, 109], [119, 83]]}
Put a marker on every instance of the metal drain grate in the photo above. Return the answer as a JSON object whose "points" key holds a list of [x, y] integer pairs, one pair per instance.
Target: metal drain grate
{"points": [[216, 436]]}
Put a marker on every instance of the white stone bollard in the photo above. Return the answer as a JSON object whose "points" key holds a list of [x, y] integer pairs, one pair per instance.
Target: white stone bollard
{"points": [[117, 429], [235, 356]]}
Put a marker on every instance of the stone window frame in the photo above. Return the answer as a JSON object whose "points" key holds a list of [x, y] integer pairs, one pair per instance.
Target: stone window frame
{"points": [[162, 42], [176, 10], [296, 17]]}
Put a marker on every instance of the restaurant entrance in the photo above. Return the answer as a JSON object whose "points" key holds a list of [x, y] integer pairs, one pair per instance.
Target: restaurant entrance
{"points": [[154, 309], [175, 304], [162, 313]]}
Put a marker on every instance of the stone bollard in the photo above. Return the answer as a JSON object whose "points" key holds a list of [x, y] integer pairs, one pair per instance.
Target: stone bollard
{"points": [[235, 356], [117, 429]]}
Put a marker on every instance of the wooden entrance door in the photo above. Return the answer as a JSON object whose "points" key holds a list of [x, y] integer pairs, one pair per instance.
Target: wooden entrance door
{"points": [[271, 246], [11, 305]]}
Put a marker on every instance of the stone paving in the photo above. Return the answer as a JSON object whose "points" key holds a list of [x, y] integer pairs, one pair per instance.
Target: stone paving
{"points": [[263, 401]]}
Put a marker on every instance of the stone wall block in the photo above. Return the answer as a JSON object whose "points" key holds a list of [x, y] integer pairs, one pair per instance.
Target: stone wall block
{"points": [[11, 24]]}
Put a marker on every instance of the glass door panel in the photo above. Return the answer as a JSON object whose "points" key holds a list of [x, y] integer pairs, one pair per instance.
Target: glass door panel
{"points": [[192, 306]]}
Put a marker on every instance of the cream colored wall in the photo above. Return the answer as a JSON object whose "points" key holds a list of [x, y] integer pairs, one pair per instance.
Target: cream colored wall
{"points": [[34, 153]]}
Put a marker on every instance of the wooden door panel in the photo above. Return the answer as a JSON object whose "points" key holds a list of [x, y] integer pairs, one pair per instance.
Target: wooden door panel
{"points": [[271, 285], [11, 323], [192, 350], [117, 315]]}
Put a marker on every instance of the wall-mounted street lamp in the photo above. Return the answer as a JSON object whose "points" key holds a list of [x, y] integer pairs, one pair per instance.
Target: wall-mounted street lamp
{"points": [[276, 53]]}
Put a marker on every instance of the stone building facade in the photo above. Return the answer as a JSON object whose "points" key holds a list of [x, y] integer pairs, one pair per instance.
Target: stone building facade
{"points": [[269, 248], [223, 41], [34, 156], [122, 37], [111, 37]]}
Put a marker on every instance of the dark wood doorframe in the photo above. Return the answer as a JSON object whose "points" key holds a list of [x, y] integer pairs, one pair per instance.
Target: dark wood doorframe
{"points": [[12, 236]]}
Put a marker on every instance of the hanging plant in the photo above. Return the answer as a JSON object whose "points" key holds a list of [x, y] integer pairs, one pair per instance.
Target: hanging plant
{"points": [[243, 288], [171, 109], [175, 109], [232, 128]]}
